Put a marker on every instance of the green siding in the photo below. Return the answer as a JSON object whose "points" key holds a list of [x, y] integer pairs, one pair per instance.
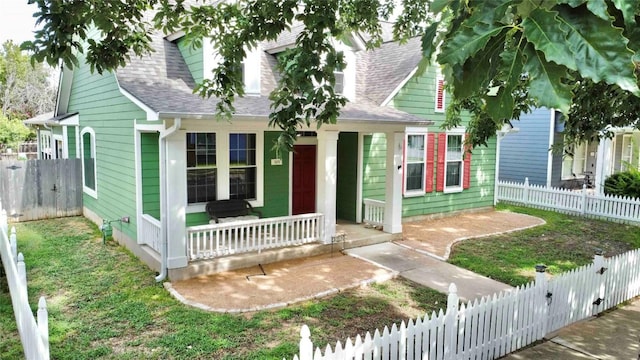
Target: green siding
{"points": [[150, 174], [276, 180], [102, 107], [347, 189], [71, 142], [193, 58], [374, 160], [418, 97]]}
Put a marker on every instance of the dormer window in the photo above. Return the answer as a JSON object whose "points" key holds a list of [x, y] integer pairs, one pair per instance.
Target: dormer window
{"points": [[251, 71], [339, 85]]}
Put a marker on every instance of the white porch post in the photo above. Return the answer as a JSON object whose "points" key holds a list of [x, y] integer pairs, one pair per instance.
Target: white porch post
{"points": [[176, 200], [327, 171], [393, 193], [604, 161]]}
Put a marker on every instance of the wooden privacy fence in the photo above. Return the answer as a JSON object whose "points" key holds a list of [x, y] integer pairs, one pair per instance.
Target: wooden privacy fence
{"points": [[40, 189], [34, 332], [496, 325], [610, 207]]}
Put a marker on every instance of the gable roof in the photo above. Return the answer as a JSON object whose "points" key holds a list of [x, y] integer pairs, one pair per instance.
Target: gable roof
{"points": [[386, 68], [162, 82]]}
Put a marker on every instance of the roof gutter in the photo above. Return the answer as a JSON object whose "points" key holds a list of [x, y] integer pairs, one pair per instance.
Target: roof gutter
{"points": [[163, 198]]}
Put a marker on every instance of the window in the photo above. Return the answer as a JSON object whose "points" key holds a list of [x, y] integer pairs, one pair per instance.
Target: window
{"points": [[453, 162], [89, 171], [574, 162], [415, 164], [201, 167], [440, 94], [45, 145], [242, 166], [627, 152], [339, 85]]}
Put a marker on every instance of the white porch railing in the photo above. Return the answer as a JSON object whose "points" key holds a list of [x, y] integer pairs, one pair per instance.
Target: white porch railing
{"points": [[34, 332], [150, 233], [616, 208], [493, 326], [373, 212], [214, 240]]}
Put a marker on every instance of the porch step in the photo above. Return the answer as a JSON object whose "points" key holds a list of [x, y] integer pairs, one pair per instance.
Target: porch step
{"points": [[354, 237]]}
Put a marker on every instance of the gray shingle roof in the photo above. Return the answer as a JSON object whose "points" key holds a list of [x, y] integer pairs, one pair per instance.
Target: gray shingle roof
{"points": [[384, 68], [162, 81]]}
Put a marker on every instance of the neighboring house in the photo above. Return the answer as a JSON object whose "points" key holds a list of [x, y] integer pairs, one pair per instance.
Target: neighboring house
{"points": [[51, 134], [154, 153], [527, 154]]}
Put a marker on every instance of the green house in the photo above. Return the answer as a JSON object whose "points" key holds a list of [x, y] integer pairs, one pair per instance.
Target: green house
{"points": [[154, 154]]}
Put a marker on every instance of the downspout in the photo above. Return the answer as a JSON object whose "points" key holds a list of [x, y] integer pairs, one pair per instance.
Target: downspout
{"points": [[163, 198]]}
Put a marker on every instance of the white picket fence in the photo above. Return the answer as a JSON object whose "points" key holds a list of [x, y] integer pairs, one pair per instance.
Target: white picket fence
{"points": [[214, 240], [150, 232], [373, 212], [615, 208], [34, 332], [496, 325]]}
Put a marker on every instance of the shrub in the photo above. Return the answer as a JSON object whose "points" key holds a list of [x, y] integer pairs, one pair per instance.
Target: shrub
{"points": [[625, 183]]}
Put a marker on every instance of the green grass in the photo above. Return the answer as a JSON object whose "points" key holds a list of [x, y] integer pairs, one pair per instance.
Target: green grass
{"points": [[104, 304], [563, 243]]}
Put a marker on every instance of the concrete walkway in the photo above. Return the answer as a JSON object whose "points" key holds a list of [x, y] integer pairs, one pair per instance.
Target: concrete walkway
{"points": [[428, 271]]}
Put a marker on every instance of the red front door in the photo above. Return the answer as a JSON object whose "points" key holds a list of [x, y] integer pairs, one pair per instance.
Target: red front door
{"points": [[304, 179]]}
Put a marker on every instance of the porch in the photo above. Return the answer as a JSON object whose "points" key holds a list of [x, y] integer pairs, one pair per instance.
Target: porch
{"points": [[214, 248]]}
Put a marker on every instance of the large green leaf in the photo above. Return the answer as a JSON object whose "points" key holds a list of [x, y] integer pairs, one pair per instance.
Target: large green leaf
{"points": [[469, 39], [600, 50], [501, 105], [545, 31], [597, 7], [628, 8], [478, 70], [547, 81]]}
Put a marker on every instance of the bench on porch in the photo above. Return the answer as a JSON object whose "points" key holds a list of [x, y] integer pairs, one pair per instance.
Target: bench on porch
{"points": [[221, 211]]}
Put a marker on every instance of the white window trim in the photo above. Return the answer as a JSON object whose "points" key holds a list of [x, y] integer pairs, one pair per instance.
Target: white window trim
{"points": [[459, 188], [422, 190], [627, 142], [91, 192], [439, 78], [222, 164], [54, 154], [46, 150]]}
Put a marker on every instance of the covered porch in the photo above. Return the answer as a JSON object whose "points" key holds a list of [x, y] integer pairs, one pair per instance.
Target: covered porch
{"points": [[214, 248]]}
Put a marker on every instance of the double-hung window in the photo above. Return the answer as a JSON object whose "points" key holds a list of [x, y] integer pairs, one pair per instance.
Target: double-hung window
{"points": [[88, 154], [242, 166], [575, 164], [454, 162], [202, 172], [415, 164]]}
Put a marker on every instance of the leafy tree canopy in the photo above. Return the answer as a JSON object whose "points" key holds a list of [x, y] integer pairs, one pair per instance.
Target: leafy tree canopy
{"points": [[25, 90], [498, 56]]}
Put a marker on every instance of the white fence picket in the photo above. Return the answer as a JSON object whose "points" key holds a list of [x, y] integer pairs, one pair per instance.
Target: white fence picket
{"points": [[612, 207], [493, 326], [34, 331]]}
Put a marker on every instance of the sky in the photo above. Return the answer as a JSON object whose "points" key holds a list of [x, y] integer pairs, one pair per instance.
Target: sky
{"points": [[16, 20]]}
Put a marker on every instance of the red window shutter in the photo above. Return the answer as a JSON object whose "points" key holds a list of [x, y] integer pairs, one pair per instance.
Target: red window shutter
{"points": [[442, 150], [440, 95], [466, 179], [431, 139]]}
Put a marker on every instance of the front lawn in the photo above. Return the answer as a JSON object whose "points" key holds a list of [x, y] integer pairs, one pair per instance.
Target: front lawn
{"points": [[104, 303], [563, 243]]}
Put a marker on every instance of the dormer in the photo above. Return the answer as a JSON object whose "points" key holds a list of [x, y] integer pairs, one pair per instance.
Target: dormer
{"points": [[202, 60]]}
